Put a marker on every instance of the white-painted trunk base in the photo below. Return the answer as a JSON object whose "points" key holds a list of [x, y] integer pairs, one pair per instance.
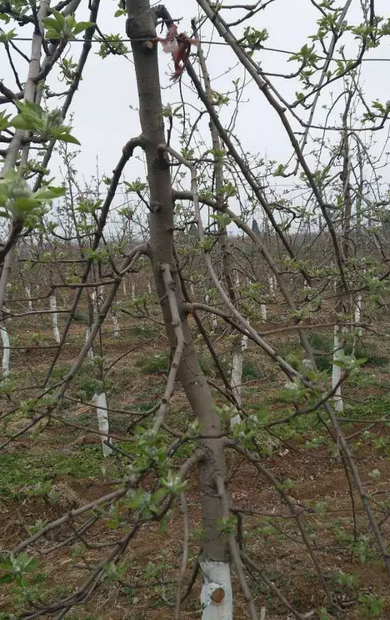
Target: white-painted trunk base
{"points": [[115, 323], [100, 401], [336, 371], [263, 312], [95, 296], [124, 287], [149, 288], [133, 295], [216, 596], [53, 309], [236, 380], [29, 303], [90, 351], [6, 350]]}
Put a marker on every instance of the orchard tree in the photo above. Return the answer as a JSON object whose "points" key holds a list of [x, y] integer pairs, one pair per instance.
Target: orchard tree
{"points": [[288, 258]]}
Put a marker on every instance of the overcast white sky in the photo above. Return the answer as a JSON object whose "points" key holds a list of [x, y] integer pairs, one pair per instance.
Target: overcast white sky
{"points": [[104, 109]]}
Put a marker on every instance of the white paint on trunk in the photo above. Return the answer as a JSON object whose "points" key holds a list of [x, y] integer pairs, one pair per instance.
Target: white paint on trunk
{"points": [[336, 371], [28, 293], [217, 595], [90, 351], [94, 297], [133, 290], [53, 309], [6, 350], [358, 312], [149, 288], [263, 312], [100, 401], [236, 378], [192, 289], [271, 285], [124, 287], [115, 323]]}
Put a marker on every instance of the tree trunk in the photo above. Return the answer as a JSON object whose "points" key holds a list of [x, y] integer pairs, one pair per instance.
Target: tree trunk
{"points": [[358, 313], [140, 28], [343, 303], [115, 323], [100, 402], [29, 302], [237, 367], [336, 370], [90, 323], [53, 309], [226, 247], [6, 349]]}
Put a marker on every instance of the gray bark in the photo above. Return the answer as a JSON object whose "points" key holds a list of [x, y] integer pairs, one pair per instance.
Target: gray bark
{"points": [[141, 25]]}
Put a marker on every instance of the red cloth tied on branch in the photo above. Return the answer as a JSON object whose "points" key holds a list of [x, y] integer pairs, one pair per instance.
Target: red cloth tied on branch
{"points": [[179, 45]]}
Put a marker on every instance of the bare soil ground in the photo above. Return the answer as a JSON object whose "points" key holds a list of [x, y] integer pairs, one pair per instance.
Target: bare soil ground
{"points": [[305, 461]]}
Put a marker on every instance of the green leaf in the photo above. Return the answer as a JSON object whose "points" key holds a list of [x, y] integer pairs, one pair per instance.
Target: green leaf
{"points": [[81, 26], [47, 193], [163, 525], [19, 122], [59, 18], [24, 204], [29, 107], [4, 121], [50, 22], [71, 139], [30, 117], [62, 133], [13, 568], [53, 34], [6, 578], [7, 36]]}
